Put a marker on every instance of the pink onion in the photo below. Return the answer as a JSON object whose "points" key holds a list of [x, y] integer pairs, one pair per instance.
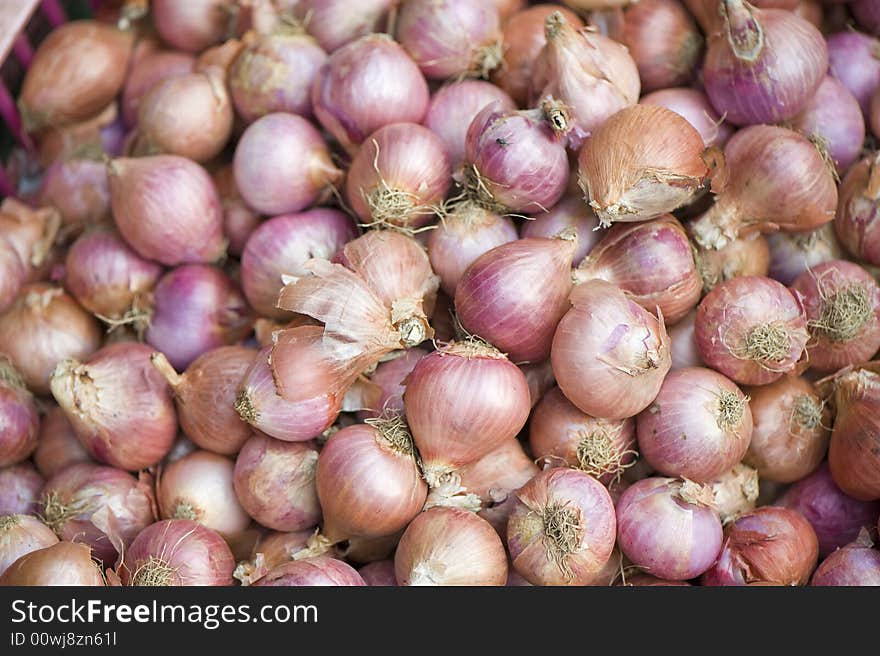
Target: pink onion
{"points": [[20, 487], [166, 208], [683, 343], [239, 220], [193, 25], [858, 564], [26, 242], [694, 106], [21, 534], [853, 59], [610, 355], [570, 212], [58, 446], [335, 23], [78, 189], [18, 417], [62, 563], [320, 571], [793, 253], [146, 73], [867, 15], [857, 215], [389, 377], [744, 256], [271, 549], [379, 573]]}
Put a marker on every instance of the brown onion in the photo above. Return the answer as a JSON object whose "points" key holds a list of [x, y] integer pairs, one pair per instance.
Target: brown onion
{"points": [[21, 534], [19, 420], [693, 105], [20, 487], [793, 253], [735, 492], [854, 454], [193, 25], [857, 215], [58, 446], [149, 71], [63, 563], [744, 256], [78, 189], [26, 238], [320, 571]]}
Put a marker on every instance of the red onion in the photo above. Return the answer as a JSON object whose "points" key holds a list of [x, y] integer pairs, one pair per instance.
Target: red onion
{"points": [[735, 492], [109, 279], [379, 573], [751, 329], [792, 254], [149, 71], [853, 58], [43, 327], [766, 545], [239, 220], [18, 417], [744, 256], [102, 507], [561, 434], [570, 212], [842, 304], [27, 239], [282, 164], [754, 45], [78, 189], [683, 343], [450, 546], [610, 355], [857, 564], [63, 563], [335, 23], [652, 261], [836, 517], [272, 549], [668, 528], [398, 177], [664, 42], [176, 552], [515, 295], [275, 483], [166, 208], [857, 215], [697, 428], [21, 534], [451, 37], [369, 83], [463, 401], [193, 25], [790, 435], [389, 377], [93, 392], [867, 15], [694, 106], [454, 106], [197, 308], [320, 571], [20, 487], [642, 162], [58, 446], [515, 163]]}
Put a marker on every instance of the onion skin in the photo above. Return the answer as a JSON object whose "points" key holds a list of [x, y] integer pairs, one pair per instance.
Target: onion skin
{"points": [[20, 487], [836, 517], [379, 573], [616, 345], [562, 528], [18, 417], [146, 72], [118, 376], [683, 343], [78, 188], [267, 470], [857, 216], [767, 545], [390, 376], [350, 104], [735, 492], [694, 106], [697, 428], [167, 209], [744, 256], [21, 534], [58, 446], [191, 26], [662, 530], [28, 236], [854, 456], [271, 549], [856, 564], [852, 60], [793, 253], [77, 71], [178, 552], [751, 329], [570, 212], [319, 571], [335, 23], [450, 547], [63, 563], [515, 295]]}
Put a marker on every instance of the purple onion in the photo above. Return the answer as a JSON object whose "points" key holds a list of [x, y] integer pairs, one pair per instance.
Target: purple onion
{"points": [[856, 564], [197, 308], [378, 573], [319, 571], [335, 23], [792, 253], [20, 487], [570, 212], [19, 422], [389, 378], [693, 105], [854, 59], [867, 13]]}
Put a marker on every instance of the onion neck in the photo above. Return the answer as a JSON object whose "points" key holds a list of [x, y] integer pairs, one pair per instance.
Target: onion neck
{"points": [[394, 433], [695, 493], [175, 380], [806, 412], [447, 492], [744, 33], [563, 532], [717, 227], [555, 26], [473, 346], [318, 545]]}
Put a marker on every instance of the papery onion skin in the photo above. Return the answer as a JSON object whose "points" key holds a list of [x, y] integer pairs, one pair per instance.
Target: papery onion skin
{"points": [[267, 470], [791, 429], [58, 446], [450, 546], [319, 571], [751, 329], [166, 208], [857, 215], [219, 56], [515, 295], [379, 573], [193, 25], [836, 517], [21, 534], [562, 528], [63, 563], [766, 545], [735, 492], [272, 549], [78, 188], [854, 456], [609, 354], [744, 256], [335, 23], [665, 531], [390, 376], [697, 428], [793, 253], [18, 417], [28, 236], [350, 104], [178, 552], [683, 343], [571, 212], [856, 564], [694, 106], [20, 487], [146, 73]]}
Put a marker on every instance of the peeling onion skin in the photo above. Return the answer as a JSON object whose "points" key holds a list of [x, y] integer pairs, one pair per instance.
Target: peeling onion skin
{"points": [[19, 420], [319, 571], [854, 454], [856, 564], [64, 563], [336, 23], [20, 534], [20, 487], [857, 213]]}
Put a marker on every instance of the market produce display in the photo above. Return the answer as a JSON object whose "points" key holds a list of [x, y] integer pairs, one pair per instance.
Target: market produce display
{"points": [[444, 292]]}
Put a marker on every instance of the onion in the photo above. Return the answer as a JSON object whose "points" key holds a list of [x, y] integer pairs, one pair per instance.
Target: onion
{"points": [[454, 106], [197, 308], [751, 329], [320, 571], [450, 546], [463, 401], [275, 483], [694, 106], [93, 392], [58, 446], [26, 242], [853, 59], [78, 189], [18, 417], [836, 517], [167, 209], [193, 25], [515, 295], [683, 343], [452, 37], [102, 507], [109, 279], [652, 262], [463, 235], [610, 355], [220, 57], [272, 549], [146, 73], [561, 434], [762, 65], [642, 162], [63, 563], [22, 534], [175, 552], [379, 573], [857, 215], [792, 254], [858, 564], [205, 395], [398, 177], [743, 256], [92, 137], [735, 492], [867, 15], [42, 327], [766, 545], [389, 377], [515, 163], [570, 212], [335, 23], [697, 428], [562, 528], [20, 487], [366, 84], [282, 164], [76, 72], [668, 528], [239, 220], [664, 42], [833, 118]]}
